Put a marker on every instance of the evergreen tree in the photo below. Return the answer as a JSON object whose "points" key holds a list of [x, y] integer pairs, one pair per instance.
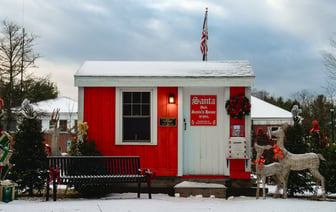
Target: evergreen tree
{"points": [[317, 143], [298, 181], [328, 168], [29, 157], [80, 145]]}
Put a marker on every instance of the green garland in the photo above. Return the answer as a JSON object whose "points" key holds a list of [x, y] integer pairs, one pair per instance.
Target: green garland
{"points": [[237, 107]]}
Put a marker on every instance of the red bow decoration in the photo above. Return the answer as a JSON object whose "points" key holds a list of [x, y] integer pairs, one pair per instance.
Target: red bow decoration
{"points": [[277, 152], [260, 161], [260, 131], [315, 128], [54, 173], [150, 175]]}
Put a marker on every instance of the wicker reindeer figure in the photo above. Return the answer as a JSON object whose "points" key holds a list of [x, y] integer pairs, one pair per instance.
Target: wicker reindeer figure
{"points": [[274, 169], [297, 162], [55, 131]]}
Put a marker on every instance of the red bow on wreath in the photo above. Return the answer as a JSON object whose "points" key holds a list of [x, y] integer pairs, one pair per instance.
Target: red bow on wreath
{"points": [[54, 173], [260, 161], [277, 152], [150, 175]]}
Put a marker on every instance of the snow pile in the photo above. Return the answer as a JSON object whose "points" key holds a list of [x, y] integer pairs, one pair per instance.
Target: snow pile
{"points": [[162, 202]]}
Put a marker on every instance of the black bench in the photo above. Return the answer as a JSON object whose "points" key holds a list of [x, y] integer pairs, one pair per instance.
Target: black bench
{"points": [[95, 170]]}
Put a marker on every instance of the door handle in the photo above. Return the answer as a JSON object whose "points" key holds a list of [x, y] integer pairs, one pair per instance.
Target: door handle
{"points": [[185, 124]]}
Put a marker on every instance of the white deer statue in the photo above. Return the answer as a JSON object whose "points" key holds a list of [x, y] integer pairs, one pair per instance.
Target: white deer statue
{"points": [[297, 162], [54, 131], [274, 169]]}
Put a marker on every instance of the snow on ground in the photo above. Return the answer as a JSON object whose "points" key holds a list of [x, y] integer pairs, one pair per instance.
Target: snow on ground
{"points": [[163, 203]]}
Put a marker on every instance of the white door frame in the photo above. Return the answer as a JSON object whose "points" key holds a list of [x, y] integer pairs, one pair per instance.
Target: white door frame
{"points": [[222, 94]]}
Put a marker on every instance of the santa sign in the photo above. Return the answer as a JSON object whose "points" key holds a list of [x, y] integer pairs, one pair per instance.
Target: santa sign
{"points": [[203, 110]]}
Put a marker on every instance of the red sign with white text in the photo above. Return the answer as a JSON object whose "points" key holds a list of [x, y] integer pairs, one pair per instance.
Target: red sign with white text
{"points": [[203, 110]]}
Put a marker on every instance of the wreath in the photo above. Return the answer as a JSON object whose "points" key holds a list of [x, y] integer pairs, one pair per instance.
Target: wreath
{"points": [[237, 107]]}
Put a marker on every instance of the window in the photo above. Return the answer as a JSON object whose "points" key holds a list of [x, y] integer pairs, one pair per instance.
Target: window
{"points": [[63, 125], [51, 124], [136, 115]]}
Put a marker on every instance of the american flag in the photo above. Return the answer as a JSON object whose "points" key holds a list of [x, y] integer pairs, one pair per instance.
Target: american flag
{"points": [[204, 38]]}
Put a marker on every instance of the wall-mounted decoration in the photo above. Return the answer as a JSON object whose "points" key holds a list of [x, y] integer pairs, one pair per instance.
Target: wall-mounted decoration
{"points": [[167, 122], [203, 110], [237, 107]]}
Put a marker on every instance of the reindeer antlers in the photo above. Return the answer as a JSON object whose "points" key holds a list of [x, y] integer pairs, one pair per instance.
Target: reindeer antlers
{"points": [[55, 115]]}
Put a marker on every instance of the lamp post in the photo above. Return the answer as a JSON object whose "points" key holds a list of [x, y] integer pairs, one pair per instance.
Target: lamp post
{"points": [[332, 123]]}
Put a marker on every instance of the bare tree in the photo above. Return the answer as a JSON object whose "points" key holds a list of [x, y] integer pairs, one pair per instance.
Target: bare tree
{"points": [[304, 97], [329, 58], [16, 56], [261, 94], [331, 90]]}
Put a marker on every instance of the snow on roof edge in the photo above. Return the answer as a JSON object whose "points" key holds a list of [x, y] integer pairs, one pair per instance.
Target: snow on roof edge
{"points": [[218, 68], [267, 110]]}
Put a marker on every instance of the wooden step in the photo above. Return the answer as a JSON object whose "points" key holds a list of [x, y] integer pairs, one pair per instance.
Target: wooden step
{"points": [[189, 188]]}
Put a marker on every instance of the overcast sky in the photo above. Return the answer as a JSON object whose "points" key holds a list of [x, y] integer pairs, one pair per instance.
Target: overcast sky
{"points": [[282, 39]]}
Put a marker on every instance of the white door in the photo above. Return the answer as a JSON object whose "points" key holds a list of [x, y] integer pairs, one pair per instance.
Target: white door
{"points": [[203, 131]]}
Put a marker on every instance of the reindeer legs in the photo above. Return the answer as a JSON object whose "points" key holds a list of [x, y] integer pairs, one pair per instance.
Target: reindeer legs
{"points": [[318, 177]]}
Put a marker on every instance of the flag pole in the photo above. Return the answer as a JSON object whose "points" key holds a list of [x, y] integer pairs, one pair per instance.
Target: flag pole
{"points": [[204, 38]]}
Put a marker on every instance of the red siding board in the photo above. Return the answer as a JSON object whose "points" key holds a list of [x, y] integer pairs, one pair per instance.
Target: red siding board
{"points": [[237, 166], [99, 107], [240, 175], [234, 91], [99, 112]]}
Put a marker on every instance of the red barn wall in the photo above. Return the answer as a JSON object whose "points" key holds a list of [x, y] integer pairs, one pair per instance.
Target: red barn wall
{"points": [[99, 113]]}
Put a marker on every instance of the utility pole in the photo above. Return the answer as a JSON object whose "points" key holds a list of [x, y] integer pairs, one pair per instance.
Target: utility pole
{"points": [[22, 59], [332, 123]]}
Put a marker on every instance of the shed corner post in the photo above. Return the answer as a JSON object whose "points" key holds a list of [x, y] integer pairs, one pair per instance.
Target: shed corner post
{"points": [[81, 103], [180, 133]]}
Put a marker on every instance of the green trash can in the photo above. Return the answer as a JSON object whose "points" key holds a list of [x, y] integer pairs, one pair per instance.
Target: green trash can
{"points": [[7, 192], [16, 194]]}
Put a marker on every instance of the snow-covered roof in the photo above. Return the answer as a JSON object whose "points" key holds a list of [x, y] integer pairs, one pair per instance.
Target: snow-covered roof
{"points": [[262, 109], [167, 73], [265, 113], [167, 68], [65, 104]]}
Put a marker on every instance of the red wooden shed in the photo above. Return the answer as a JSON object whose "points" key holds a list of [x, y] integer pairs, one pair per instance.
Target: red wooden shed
{"points": [[171, 114]]}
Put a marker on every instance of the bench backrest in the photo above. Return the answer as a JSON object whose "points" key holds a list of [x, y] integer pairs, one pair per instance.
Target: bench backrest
{"points": [[95, 165]]}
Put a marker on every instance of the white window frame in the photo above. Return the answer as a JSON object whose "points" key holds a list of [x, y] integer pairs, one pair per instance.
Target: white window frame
{"points": [[119, 112]]}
